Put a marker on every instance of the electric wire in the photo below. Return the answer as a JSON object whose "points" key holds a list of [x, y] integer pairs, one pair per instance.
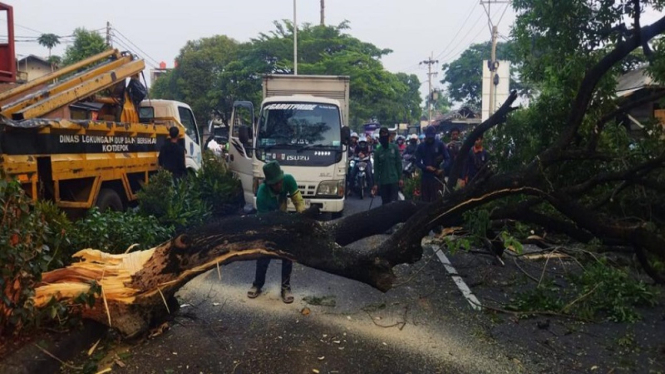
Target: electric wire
{"points": [[135, 46], [461, 40], [128, 49], [473, 7]]}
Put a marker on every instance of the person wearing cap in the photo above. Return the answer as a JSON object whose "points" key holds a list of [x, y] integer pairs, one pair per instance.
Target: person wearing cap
{"points": [[172, 155], [387, 168], [272, 196], [353, 144], [412, 146], [429, 156]]}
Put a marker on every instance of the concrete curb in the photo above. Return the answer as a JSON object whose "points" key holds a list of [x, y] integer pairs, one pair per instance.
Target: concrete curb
{"points": [[65, 346]]}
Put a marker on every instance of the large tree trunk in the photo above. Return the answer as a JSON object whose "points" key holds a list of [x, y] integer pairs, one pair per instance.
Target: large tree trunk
{"points": [[135, 286]]}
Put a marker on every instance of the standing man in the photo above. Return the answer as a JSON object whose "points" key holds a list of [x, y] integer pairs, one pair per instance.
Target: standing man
{"points": [[172, 155], [387, 168], [453, 147], [270, 197], [477, 159], [429, 156]]}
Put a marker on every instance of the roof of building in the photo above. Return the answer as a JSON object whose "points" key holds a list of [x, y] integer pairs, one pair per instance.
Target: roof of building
{"points": [[635, 80], [34, 58]]}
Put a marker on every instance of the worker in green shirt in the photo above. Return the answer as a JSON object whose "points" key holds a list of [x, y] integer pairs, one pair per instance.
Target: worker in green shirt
{"points": [[272, 196], [387, 168]]}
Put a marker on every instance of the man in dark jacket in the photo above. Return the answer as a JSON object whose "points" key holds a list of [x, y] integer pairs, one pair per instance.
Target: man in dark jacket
{"points": [[429, 156], [172, 155], [453, 147], [387, 168], [477, 159]]}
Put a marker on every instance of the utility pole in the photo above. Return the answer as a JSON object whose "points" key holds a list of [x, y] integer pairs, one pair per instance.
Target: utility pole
{"points": [[295, 40], [108, 33], [430, 61], [493, 65], [323, 12]]}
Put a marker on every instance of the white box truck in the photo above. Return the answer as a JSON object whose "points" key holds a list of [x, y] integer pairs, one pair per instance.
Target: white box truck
{"points": [[303, 124]]}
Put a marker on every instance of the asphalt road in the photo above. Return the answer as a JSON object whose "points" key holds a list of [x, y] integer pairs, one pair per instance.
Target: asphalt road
{"points": [[423, 325]]}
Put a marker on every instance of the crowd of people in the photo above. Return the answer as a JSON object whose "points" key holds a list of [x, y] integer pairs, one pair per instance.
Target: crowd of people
{"points": [[432, 156]]}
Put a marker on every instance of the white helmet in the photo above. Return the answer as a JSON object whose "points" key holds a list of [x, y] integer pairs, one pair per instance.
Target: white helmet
{"points": [[413, 137], [354, 135]]}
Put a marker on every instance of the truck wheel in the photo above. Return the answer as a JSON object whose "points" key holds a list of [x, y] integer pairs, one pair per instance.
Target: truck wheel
{"points": [[108, 199]]}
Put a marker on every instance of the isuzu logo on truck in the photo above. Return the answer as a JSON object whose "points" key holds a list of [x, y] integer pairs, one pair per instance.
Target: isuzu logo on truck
{"points": [[297, 158]]}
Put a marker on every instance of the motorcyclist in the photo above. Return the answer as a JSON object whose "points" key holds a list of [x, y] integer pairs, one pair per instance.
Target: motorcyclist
{"points": [[412, 146], [362, 150], [353, 144], [401, 145]]}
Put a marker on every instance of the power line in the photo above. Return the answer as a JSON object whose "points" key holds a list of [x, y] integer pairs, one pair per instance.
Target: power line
{"points": [[473, 7], [137, 47], [462, 39], [125, 47], [28, 28]]}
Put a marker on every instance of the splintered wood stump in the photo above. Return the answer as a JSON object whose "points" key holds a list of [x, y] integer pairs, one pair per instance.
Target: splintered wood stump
{"points": [[135, 286]]}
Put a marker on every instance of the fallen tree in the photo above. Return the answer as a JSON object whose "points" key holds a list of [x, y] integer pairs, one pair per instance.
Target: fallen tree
{"points": [[577, 182]]}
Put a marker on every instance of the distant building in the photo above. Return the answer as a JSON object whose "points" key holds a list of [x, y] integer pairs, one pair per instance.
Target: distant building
{"points": [[464, 119], [32, 67], [156, 73]]}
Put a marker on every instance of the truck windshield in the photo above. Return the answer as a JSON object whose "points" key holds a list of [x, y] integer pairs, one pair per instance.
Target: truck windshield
{"points": [[299, 125]]}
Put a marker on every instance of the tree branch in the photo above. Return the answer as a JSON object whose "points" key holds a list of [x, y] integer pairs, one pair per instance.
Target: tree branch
{"points": [[588, 86]]}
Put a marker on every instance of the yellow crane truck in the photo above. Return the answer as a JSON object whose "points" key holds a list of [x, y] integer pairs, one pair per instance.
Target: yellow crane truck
{"points": [[83, 136]]}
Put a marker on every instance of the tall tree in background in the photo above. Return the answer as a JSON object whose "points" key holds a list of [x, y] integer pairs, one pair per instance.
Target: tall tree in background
{"points": [[204, 77], [463, 76], [49, 41], [86, 44]]}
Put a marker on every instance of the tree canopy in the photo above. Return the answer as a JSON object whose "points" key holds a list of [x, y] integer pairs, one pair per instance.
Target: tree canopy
{"points": [[49, 41], [463, 76], [86, 44], [213, 72]]}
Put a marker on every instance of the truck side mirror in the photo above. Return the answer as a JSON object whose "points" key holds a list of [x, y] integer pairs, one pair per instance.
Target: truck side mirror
{"points": [[245, 133], [346, 135]]}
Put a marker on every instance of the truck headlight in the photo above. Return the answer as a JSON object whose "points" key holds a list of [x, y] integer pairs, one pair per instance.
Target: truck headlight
{"points": [[331, 188]]}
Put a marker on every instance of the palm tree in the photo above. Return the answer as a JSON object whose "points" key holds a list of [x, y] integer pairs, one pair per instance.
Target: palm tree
{"points": [[49, 41]]}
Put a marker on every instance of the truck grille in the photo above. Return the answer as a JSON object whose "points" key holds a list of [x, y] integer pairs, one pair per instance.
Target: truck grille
{"points": [[308, 190]]}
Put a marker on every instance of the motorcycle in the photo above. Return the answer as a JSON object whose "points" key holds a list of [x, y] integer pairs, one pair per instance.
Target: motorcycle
{"points": [[409, 166], [360, 184]]}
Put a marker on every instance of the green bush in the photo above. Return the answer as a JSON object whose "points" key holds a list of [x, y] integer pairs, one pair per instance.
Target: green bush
{"points": [[412, 188], [114, 232], [177, 205], [24, 255], [218, 186]]}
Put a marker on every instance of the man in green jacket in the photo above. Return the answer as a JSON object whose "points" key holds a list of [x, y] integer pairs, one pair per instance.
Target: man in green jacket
{"points": [[271, 197], [387, 168]]}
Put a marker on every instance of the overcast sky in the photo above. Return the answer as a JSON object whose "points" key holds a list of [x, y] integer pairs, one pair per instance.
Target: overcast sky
{"points": [[412, 29]]}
